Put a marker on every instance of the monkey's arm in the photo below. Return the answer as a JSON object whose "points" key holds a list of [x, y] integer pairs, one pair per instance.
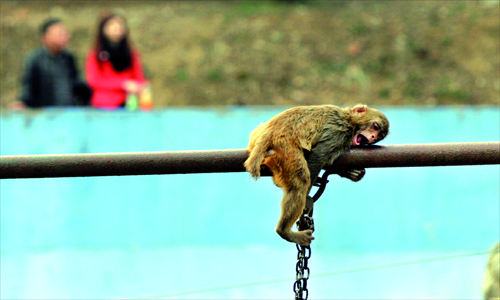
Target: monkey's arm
{"points": [[325, 152]]}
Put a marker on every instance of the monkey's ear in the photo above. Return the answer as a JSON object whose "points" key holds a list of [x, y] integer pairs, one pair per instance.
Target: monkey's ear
{"points": [[359, 109]]}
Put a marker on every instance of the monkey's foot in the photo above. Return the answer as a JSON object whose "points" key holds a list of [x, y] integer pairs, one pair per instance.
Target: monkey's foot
{"points": [[303, 238]]}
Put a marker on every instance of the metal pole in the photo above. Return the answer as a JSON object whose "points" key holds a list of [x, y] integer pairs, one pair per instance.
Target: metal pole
{"points": [[217, 161], [421, 155]]}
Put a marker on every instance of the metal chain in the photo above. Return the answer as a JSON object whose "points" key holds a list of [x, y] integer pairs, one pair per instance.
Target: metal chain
{"points": [[306, 222], [304, 253]]}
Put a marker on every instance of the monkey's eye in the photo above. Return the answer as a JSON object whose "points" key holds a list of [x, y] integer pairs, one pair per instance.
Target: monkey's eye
{"points": [[376, 126]]}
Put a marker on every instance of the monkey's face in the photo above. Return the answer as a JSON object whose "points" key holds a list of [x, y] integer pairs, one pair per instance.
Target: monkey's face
{"points": [[369, 134]]}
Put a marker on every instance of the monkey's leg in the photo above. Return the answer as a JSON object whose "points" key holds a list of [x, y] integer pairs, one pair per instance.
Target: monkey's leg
{"points": [[292, 206], [296, 179]]}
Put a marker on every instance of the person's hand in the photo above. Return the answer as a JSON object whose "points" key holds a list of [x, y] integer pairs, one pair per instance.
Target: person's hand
{"points": [[16, 105], [132, 87]]}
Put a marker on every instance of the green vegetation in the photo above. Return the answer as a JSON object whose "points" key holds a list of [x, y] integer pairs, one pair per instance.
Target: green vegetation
{"points": [[279, 53]]}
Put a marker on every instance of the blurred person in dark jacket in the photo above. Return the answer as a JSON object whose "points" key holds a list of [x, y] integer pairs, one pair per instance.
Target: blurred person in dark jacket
{"points": [[50, 76]]}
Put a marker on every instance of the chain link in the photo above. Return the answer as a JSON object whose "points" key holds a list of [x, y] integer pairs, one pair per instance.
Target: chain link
{"points": [[304, 253], [306, 222]]}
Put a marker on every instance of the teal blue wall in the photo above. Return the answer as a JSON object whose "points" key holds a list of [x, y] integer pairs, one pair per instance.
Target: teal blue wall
{"points": [[119, 237]]}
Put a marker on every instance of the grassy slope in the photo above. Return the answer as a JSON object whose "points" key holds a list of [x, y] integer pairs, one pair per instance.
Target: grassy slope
{"points": [[266, 52]]}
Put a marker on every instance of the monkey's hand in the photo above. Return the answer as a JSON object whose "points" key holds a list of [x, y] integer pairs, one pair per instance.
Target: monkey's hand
{"points": [[354, 175]]}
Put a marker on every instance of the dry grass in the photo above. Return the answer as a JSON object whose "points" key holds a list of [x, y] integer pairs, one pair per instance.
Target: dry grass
{"points": [[272, 53]]}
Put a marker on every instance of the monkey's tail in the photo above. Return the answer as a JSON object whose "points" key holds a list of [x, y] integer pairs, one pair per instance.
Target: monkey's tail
{"points": [[256, 157]]}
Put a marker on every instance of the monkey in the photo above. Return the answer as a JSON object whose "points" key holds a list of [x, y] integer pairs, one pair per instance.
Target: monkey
{"points": [[491, 281], [297, 143]]}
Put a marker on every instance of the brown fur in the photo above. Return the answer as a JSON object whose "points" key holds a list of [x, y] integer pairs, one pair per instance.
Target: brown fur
{"points": [[491, 283], [324, 133]]}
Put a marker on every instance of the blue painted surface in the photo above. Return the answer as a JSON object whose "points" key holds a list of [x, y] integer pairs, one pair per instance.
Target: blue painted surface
{"points": [[119, 237]]}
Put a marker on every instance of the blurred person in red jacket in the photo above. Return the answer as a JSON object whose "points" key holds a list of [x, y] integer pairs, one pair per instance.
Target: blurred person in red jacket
{"points": [[113, 68]]}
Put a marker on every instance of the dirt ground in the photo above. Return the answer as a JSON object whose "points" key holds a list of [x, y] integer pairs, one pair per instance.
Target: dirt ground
{"points": [[279, 53]]}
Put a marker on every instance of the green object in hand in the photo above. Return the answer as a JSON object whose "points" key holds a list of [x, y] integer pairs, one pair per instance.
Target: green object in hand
{"points": [[132, 102]]}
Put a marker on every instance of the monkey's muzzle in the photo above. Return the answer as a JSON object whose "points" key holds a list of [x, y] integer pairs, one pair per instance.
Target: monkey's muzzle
{"points": [[359, 139]]}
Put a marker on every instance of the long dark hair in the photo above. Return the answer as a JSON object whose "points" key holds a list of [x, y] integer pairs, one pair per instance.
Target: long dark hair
{"points": [[119, 55]]}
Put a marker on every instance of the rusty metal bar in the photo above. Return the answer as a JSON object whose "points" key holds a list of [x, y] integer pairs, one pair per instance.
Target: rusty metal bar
{"points": [[421, 155], [220, 161], [116, 164]]}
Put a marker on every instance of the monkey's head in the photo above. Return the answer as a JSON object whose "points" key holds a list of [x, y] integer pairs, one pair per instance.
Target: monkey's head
{"points": [[371, 125]]}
